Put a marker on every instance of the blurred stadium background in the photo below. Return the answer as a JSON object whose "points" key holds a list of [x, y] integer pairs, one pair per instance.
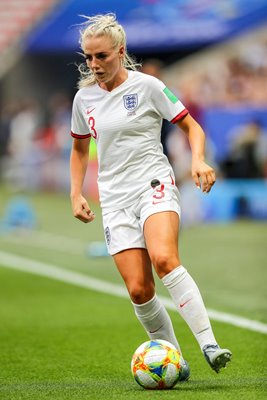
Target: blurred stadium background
{"points": [[213, 55]]}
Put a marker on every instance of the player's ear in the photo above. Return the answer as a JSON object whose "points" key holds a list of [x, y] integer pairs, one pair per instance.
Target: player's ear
{"points": [[121, 51]]}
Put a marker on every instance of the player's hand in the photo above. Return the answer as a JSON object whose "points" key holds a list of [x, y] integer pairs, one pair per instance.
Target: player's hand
{"points": [[81, 209], [203, 175]]}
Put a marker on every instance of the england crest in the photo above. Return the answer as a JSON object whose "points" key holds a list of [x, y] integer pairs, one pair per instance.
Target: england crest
{"points": [[130, 101]]}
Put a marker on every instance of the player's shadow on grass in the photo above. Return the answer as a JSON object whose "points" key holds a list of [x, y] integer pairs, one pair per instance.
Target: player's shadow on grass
{"points": [[192, 386], [202, 386]]}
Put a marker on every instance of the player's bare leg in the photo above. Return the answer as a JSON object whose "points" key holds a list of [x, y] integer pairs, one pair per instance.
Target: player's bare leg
{"points": [[135, 268], [162, 245]]}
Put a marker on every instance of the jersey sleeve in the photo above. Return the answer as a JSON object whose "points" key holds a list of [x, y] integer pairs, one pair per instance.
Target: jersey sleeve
{"points": [[165, 102], [79, 127]]}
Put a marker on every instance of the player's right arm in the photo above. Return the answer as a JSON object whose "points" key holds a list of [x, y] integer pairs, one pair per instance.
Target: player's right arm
{"points": [[78, 166]]}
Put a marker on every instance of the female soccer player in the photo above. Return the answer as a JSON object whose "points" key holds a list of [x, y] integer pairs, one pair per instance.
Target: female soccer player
{"points": [[122, 109]]}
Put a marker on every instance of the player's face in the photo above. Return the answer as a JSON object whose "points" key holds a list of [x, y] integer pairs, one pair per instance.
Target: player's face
{"points": [[104, 61]]}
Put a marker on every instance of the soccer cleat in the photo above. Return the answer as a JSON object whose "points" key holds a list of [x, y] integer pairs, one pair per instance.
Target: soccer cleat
{"points": [[216, 357], [185, 372]]}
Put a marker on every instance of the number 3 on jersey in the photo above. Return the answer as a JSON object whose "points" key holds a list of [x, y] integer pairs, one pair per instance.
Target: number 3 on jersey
{"points": [[91, 123]]}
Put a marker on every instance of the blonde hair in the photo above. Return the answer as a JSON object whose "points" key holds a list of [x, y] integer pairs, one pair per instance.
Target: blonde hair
{"points": [[103, 25]]}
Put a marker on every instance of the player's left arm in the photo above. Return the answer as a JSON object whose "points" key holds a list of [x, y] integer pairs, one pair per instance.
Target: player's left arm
{"points": [[203, 174]]}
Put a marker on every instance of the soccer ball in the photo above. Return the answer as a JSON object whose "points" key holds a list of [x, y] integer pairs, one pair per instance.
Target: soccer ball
{"points": [[156, 364]]}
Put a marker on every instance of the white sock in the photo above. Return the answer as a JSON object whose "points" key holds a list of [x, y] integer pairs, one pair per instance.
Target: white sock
{"points": [[189, 303], [156, 321]]}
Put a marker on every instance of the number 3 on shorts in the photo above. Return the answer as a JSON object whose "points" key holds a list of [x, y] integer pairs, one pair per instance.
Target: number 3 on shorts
{"points": [[159, 192]]}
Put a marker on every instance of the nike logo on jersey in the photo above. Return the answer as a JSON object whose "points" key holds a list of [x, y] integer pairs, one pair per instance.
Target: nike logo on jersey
{"points": [[91, 109]]}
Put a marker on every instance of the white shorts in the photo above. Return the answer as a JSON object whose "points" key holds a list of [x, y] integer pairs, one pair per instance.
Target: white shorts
{"points": [[124, 228]]}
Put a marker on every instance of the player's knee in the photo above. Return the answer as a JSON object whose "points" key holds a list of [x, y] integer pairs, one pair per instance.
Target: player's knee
{"points": [[164, 263], [141, 293], [161, 260]]}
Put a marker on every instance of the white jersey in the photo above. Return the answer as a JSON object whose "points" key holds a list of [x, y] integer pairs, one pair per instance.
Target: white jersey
{"points": [[126, 124]]}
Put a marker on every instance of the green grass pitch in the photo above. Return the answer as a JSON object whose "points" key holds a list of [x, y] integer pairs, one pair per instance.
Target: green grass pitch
{"points": [[59, 341]]}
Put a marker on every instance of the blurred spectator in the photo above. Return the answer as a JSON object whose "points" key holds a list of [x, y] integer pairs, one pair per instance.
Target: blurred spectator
{"points": [[22, 156], [23, 127], [8, 111], [248, 153], [59, 116]]}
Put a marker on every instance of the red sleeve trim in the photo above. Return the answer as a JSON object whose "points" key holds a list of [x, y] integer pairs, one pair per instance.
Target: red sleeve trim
{"points": [[180, 116], [76, 136]]}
